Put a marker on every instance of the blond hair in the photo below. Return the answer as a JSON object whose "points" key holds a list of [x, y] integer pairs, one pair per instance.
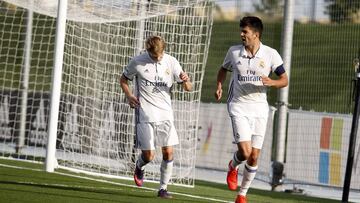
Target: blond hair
{"points": [[155, 44]]}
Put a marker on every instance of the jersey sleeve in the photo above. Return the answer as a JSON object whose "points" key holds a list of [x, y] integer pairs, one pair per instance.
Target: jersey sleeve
{"points": [[130, 70], [277, 63], [227, 61], [177, 69]]}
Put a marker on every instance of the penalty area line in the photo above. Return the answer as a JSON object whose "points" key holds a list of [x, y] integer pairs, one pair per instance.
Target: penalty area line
{"points": [[105, 181]]}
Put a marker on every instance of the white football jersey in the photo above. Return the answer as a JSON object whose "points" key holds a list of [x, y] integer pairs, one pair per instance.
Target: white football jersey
{"points": [[247, 94], [153, 81]]}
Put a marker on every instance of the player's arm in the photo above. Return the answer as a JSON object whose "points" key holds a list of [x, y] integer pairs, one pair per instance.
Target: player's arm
{"points": [[278, 68], [186, 81], [221, 77], [279, 83], [133, 101]]}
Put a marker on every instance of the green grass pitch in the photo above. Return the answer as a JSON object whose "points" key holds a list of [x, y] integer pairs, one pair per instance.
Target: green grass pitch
{"points": [[28, 182]]}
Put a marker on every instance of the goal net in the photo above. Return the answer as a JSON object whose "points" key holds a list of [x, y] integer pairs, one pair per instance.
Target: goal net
{"points": [[95, 127]]}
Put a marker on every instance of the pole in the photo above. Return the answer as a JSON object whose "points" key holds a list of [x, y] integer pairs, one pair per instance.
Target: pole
{"points": [[287, 33], [25, 77], [140, 35], [353, 133], [140, 26], [56, 85]]}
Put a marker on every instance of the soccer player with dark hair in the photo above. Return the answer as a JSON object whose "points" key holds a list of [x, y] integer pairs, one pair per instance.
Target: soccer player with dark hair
{"points": [[250, 64], [155, 72]]}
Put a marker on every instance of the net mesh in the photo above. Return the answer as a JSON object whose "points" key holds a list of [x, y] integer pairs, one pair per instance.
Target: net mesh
{"points": [[95, 128]]}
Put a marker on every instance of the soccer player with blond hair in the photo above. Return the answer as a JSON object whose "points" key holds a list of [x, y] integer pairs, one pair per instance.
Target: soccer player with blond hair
{"points": [[154, 72], [251, 64]]}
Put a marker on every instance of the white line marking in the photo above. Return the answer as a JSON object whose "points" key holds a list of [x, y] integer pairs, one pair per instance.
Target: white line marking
{"points": [[105, 181]]}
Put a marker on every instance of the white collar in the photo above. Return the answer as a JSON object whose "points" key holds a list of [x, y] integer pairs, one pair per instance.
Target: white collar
{"points": [[259, 52], [158, 62]]}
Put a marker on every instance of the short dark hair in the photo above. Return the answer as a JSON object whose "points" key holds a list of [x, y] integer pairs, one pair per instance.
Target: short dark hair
{"points": [[253, 22]]}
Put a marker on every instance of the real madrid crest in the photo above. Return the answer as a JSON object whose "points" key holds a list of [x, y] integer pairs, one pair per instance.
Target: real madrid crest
{"points": [[167, 71], [262, 64]]}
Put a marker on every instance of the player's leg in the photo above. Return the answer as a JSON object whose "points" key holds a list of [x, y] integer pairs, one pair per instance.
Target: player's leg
{"points": [[249, 172], [258, 126], [145, 142], [244, 149], [167, 138], [242, 136], [166, 169], [144, 158]]}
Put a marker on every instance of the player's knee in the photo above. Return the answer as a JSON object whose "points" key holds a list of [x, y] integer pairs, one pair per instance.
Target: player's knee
{"points": [[152, 157], [167, 153], [244, 154], [167, 156], [148, 156], [252, 160]]}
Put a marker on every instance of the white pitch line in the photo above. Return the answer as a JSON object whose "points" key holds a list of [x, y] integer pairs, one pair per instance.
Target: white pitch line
{"points": [[18, 167], [106, 181]]}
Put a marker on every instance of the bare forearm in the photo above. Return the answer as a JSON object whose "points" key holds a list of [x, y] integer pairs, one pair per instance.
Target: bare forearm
{"points": [[187, 86], [279, 83], [282, 81], [125, 87], [133, 101], [221, 77], [186, 81]]}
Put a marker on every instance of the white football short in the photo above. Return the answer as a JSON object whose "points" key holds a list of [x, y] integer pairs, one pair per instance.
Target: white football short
{"points": [[249, 129], [149, 135]]}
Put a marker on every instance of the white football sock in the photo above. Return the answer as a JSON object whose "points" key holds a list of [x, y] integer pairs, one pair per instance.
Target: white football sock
{"points": [[140, 163], [166, 172], [248, 177]]}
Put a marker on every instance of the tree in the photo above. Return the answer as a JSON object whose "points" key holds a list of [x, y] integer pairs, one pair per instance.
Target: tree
{"points": [[343, 10], [270, 7]]}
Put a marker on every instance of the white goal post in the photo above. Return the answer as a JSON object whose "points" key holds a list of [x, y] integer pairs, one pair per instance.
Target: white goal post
{"points": [[95, 130]]}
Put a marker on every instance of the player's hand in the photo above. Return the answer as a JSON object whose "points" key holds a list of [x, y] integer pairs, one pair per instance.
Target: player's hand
{"points": [[184, 76], [133, 101], [218, 94], [267, 81]]}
